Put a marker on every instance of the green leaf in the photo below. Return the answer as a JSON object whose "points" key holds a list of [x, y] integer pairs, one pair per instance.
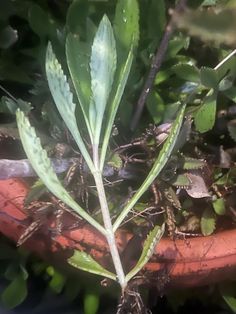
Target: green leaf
{"points": [[78, 54], [148, 248], [63, 99], [205, 116], [102, 70], [187, 72], [91, 302], [15, 293], [84, 261], [115, 161], [39, 21], [209, 77], [219, 206], [118, 89], [156, 20], [42, 166], [208, 222], [126, 25], [159, 164], [57, 282], [181, 181], [193, 163], [36, 191], [227, 291], [175, 45], [226, 83], [231, 93], [156, 107], [76, 17]]}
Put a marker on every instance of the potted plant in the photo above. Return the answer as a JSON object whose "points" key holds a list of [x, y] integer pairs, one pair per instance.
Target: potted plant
{"points": [[173, 181]]}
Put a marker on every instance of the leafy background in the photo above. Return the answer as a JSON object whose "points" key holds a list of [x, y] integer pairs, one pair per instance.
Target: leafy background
{"points": [[25, 28]]}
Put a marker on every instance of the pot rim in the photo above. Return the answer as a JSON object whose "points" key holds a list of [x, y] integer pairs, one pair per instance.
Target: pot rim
{"points": [[185, 262]]}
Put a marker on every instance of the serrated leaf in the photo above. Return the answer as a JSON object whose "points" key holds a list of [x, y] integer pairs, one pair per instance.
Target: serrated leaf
{"points": [[205, 116], [42, 166], [63, 99], [208, 222], [187, 72], [181, 181], [159, 164], [148, 248], [209, 77], [193, 163], [15, 293], [102, 70], [84, 261], [78, 55], [219, 206]]}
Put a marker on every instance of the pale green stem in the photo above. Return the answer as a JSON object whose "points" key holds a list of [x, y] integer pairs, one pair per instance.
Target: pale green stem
{"points": [[110, 236]]}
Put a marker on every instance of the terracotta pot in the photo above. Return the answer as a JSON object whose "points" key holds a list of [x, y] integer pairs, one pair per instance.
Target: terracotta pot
{"points": [[188, 263]]}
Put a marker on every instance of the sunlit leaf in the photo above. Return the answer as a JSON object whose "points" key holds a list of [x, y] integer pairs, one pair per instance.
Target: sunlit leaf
{"points": [[84, 261], [148, 248]]}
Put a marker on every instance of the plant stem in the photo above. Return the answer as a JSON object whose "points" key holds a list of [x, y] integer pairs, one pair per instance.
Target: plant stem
{"points": [[110, 236]]}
